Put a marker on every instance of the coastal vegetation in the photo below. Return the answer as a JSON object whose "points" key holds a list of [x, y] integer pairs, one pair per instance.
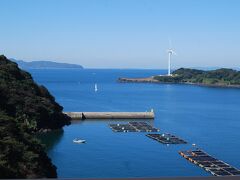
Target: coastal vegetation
{"points": [[25, 109], [21, 155], [219, 77]]}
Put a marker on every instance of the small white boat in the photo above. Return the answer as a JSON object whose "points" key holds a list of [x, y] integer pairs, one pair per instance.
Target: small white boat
{"points": [[96, 89], [79, 141]]}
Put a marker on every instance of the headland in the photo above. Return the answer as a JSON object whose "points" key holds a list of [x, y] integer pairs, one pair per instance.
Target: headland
{"points": [[215, 78]]}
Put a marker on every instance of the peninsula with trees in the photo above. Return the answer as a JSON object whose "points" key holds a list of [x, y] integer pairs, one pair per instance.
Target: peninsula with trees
{"points": [[217, 78]]}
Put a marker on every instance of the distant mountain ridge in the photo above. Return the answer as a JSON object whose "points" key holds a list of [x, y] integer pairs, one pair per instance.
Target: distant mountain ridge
{"points": [[45, 65]]}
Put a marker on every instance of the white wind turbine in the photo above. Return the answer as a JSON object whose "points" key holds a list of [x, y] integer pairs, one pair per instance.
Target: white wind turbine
{"points": [[170, 53]]}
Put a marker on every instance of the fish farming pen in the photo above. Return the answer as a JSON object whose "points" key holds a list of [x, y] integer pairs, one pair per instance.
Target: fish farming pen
{"points": [[133, 127], [166, 138], [210, 164]]}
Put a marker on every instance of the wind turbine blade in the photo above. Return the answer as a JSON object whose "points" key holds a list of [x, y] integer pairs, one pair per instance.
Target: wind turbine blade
{"points": [[174, 53]]}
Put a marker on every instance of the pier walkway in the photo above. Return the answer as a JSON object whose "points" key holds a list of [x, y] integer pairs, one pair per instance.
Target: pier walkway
{"points": [[110, 115]]}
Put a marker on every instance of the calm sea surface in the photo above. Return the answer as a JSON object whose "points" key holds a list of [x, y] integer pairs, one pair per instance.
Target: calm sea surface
{"points": [[209, 117]]}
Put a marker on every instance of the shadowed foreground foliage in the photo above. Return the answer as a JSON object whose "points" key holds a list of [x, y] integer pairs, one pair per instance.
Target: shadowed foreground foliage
{"points": [[21, 156], [25, 108]]}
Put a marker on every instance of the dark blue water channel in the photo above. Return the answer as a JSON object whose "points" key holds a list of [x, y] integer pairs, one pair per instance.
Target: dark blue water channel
{"points": [[209, 117]]}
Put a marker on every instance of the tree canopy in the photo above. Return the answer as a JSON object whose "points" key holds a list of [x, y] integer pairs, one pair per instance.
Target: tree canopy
{"points": [[25, 108], [221, 77]]}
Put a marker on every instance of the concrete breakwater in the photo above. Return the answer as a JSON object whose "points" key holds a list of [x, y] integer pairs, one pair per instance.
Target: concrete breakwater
{"points": [[110, 115]]}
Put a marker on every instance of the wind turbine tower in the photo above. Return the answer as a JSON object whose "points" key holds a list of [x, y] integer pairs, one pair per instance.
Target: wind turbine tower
{"points": [[170, 53]]}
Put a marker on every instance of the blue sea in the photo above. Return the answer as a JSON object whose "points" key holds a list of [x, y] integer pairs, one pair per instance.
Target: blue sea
{"points": [[208, 117]]}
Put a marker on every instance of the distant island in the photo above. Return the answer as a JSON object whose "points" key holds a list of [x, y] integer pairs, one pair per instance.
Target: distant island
{"points": [[218, 78], [45, 65], [26, 109]]}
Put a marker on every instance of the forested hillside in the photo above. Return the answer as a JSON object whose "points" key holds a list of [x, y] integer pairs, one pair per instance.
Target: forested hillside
{"points": [[219, 77], [25, 108]]}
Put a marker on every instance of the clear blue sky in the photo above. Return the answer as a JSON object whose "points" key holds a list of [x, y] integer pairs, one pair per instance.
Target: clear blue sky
{"points": [[122, 33]]}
